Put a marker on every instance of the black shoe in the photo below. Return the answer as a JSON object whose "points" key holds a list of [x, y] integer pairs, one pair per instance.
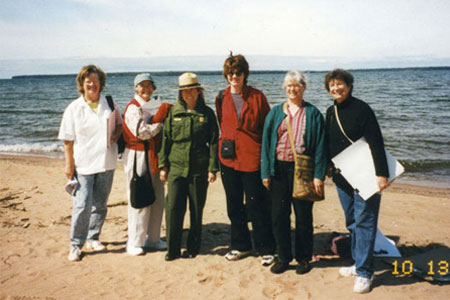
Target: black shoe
{"points": [[279, 267], [170, 257], [303, 267], [187, 254]]}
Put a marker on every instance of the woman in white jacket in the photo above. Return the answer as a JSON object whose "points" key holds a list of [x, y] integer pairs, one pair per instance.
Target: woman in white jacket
{"points": [[144, 224]]}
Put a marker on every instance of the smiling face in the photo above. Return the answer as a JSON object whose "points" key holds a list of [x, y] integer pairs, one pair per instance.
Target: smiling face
{"points": [[294, 90], [190, 97], [236, 80], [338, 89], [91, 86], [144, 89]]}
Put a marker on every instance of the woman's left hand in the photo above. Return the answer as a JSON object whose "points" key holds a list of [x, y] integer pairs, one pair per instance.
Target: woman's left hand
{"points": [[318, 186], [211, 176], [382, 182]]}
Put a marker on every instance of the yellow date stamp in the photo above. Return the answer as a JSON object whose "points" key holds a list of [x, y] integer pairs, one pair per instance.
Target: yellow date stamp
{"points": [[406, 267]]}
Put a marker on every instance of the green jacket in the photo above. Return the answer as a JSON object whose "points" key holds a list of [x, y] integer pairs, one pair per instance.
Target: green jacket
{"points": [[314, 140], [189, 141]]}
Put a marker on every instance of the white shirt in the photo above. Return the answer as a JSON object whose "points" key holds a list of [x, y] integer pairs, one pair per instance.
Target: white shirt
{"points": [[88, 131]]}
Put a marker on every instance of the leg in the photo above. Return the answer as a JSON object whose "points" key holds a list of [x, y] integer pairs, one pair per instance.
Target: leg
{"points": [[82, 204], [101, 189], [156, 211], [175, 211], [234, 191], [366, 222], [198, 187], [281, 211], [303, 230], [347, 203], [258, 212]]}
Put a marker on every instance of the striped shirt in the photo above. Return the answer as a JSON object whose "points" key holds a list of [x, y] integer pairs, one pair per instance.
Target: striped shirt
{"points": [[298, 122]]}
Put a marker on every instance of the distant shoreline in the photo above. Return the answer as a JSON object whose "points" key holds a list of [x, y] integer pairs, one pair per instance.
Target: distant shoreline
{"points": [[175, 73]]}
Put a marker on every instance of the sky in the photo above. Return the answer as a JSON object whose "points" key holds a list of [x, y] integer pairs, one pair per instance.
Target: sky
{"points": [[39, 32]]}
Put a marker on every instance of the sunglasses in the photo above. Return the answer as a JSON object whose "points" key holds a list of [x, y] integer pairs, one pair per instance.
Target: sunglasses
{"points": [[238, 73]]}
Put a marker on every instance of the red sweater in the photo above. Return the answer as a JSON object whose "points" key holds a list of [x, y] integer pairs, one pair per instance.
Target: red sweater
{"points": [[247, 134], [154, 144]]}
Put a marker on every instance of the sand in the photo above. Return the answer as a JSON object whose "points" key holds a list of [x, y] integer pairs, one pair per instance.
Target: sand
{"points": [[35, 214]]}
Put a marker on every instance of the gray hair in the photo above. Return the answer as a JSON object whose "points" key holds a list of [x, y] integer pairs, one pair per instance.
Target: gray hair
{"points": [[297, 76]]}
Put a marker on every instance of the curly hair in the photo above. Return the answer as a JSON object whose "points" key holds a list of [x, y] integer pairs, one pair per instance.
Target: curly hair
{"points": [[341, 75], [85, 72]]}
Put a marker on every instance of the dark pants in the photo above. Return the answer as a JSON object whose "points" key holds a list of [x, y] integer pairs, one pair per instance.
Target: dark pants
{"points": [[193, 188], [281, 196], [256, 209]]}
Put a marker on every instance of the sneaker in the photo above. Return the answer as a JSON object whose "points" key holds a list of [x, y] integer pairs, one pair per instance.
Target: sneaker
{"points": [[95, 245], [303, 267], [362, 284], [74, 254], [348, 271], [159, 245], [135, 251], [236, 255], [267, 260], [279, 267]]}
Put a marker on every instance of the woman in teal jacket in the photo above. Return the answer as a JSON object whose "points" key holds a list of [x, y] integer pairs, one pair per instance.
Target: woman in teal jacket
{"points": [[188, 162], [277, 170]]}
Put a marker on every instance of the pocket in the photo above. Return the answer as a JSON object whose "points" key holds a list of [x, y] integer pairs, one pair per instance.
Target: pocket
{"points": [[181, 128]]}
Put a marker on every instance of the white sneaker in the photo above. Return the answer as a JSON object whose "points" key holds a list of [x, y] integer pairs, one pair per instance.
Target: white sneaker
{"points": [[362, 285], [267, 260], [95, 245], [135, 251], [159, 245], [348, 271], [74, 254], [236, 255]]}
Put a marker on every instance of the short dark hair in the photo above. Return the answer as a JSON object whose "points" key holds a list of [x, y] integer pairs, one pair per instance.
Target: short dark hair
{"points": [[341, 75], [85, 72], [236, 63]]}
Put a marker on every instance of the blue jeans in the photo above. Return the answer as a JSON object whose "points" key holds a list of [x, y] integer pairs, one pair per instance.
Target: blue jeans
{"points": [[89, 207], [361, 218]]}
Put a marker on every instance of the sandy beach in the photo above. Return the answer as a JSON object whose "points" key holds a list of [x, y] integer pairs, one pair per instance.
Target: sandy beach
{"points": [[35, 214]]}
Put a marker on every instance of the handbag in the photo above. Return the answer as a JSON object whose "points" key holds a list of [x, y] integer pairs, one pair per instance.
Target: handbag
{"points": [[227, 149], [142, 193], [303, 187]]}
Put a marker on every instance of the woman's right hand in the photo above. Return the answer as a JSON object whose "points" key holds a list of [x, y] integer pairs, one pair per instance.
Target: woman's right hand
{"points": [[266, 183], [163, 175]]}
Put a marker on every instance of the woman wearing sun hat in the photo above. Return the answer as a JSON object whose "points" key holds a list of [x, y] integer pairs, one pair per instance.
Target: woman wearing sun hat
{"points": [[188, 162], [144, 224]]}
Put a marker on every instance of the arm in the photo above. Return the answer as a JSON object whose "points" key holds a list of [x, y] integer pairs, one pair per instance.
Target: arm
{"points": [[145, 131], [163, 154], [213, 165], [265, 152], [69, 159]]}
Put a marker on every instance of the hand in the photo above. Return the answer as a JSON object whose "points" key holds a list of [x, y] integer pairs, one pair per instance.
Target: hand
{"points": [[318, 186], [69, 170], [382, 182], [211, 176], [163, 175], [330, 172], [266, 183]]}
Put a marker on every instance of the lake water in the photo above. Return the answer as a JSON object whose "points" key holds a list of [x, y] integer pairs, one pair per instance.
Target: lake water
{"points": [[412, 107]]}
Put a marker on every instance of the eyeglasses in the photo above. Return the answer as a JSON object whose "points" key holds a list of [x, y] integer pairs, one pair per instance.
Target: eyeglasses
{"points": [[238, 73]]}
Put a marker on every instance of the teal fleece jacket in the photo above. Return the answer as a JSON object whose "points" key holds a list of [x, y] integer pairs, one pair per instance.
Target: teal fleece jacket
{"points": [[314, 140]]}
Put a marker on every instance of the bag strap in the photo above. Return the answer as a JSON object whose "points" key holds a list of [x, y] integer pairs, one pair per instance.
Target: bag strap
{"points": [[110, 102], [145, 151], [340, 125], [289, 128]]}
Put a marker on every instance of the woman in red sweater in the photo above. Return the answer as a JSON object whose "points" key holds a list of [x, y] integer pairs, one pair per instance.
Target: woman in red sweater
{"points": [[241, 111]]}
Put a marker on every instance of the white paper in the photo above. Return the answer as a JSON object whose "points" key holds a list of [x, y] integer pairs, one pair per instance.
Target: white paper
{"points": [[72, 186], [385, 247], [356, 165], [150, 108]]}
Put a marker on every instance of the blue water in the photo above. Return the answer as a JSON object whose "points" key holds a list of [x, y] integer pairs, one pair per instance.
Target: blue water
{"points": [[412, 106]]}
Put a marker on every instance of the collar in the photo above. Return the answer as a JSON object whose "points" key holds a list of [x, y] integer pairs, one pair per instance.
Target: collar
{"points": [[344, 103]]}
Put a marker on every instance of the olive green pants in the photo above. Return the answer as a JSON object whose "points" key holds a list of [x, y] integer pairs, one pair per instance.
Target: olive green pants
{"points": [[181, 189]]}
